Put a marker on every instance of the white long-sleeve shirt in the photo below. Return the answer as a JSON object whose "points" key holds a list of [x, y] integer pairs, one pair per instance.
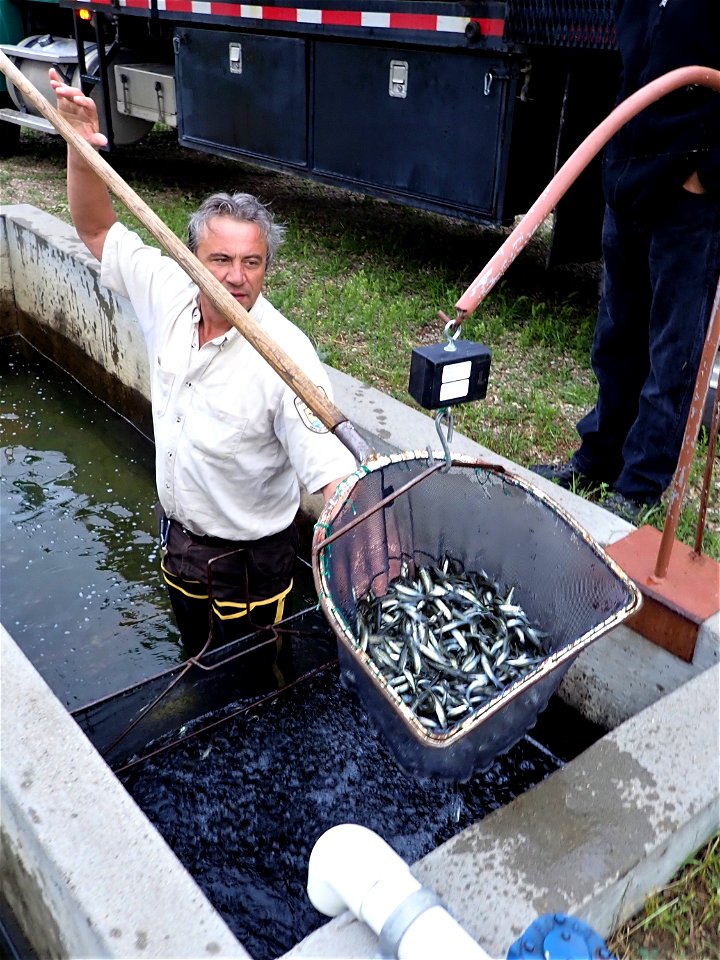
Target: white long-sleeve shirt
{"points": [[232, 440]]}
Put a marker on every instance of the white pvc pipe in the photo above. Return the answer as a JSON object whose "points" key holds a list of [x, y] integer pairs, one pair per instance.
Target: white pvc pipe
{"points": [[352, 868]]}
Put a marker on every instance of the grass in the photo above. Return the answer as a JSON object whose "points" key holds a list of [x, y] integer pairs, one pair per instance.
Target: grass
{"points": [[682, 920], [365, 279]]}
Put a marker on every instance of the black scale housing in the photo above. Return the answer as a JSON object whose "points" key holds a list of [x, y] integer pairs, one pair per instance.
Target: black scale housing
{"points": [[435, 383]]}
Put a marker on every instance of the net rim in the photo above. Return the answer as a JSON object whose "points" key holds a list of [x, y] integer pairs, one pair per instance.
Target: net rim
{"points": [[552, 663]]}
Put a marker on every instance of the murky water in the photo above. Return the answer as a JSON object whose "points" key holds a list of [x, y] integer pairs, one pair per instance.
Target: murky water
{"points": [[81, 592], [242, 805]]}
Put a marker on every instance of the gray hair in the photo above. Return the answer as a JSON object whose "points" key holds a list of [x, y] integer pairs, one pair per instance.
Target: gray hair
{"points": [[238, 206]]}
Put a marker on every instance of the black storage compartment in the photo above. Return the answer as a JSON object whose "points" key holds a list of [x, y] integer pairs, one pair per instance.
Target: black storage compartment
{"points": [[242, 94], [423, 123]]}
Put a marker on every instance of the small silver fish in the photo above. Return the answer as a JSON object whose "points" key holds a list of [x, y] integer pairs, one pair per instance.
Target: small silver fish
{"points": [[447, 642]]}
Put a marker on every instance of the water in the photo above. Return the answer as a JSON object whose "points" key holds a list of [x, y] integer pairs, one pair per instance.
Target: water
{"points": [[243, 804], [81, 592]]}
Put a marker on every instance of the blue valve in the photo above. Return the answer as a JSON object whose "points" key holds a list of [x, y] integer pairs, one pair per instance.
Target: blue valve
{"points": [[555, 936]]}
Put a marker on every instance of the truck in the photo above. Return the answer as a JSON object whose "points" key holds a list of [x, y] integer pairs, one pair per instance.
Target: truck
{"points": [[462, 107]]}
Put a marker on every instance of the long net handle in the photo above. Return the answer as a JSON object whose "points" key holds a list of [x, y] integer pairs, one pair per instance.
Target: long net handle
{"points": [[282, 364]]}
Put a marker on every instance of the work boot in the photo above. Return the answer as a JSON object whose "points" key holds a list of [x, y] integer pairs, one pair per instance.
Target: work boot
{"points": [[567, 476]]}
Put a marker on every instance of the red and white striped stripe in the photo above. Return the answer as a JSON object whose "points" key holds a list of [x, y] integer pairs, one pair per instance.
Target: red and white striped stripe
{"points": [[489, 27]]}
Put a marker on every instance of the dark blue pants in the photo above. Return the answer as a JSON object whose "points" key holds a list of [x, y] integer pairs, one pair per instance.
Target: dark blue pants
{"points": [[659, 284]]}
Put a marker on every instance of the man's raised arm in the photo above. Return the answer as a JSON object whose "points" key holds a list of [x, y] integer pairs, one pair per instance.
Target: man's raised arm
{"points": [[89, 200]]}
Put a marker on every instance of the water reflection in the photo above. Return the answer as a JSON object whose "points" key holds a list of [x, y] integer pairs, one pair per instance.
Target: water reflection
{"points": [[80, 587]]}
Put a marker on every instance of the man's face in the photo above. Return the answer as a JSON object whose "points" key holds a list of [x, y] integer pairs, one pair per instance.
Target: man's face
{"points": [[235, 252]]}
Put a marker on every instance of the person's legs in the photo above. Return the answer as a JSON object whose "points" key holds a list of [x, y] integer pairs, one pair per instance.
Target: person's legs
{"points": [[192, 613], [183, 569], [248, 588], [685, 266], [619, 360], [248, 591], [620, 349], [245, 588]]}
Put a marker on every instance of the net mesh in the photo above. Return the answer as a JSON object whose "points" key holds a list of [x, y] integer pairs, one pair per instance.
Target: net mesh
{"points": [[152, 715], [486, 520]]}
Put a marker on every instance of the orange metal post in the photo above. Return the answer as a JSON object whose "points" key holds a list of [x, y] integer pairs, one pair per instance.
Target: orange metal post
{"points": [[687, 451]]}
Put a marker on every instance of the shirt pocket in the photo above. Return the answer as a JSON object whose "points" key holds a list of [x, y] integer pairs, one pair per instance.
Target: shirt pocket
{"points": [[216, 432], [162, 390]]}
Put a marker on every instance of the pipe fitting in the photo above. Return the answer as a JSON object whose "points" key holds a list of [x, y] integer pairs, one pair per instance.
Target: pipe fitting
{"points": [[352, 868]]}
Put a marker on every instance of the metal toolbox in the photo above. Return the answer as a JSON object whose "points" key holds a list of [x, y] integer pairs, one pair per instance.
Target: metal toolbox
{"points": [[146, 90]]}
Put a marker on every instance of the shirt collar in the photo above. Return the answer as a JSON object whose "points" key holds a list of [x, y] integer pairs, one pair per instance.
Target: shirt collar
{"points": [[257, 312]]}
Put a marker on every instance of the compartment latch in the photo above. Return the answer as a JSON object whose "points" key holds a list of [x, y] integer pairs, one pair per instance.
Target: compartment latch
{"points": [[235, 57], [397, 86]]}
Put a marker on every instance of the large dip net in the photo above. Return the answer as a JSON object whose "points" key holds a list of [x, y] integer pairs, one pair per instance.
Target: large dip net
{"points": [[459, 595]]}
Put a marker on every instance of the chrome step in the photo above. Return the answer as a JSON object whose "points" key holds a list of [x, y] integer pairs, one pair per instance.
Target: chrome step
{"points": [[27, 120]]}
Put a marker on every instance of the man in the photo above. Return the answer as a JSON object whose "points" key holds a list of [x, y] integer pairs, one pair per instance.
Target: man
{"points": [[661, 253], [232, 440]]}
